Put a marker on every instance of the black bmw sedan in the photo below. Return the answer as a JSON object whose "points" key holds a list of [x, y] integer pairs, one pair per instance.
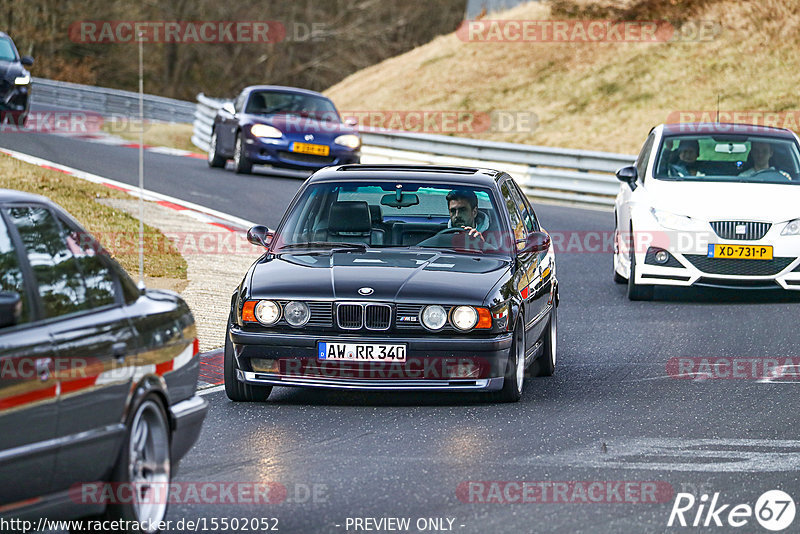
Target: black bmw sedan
{"points": [[398, 278], [97, 376], [15, 82], [282, 127]]}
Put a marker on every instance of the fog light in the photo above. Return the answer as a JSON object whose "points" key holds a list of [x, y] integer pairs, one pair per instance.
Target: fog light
{"points": [[262, 365], [662, 256]]}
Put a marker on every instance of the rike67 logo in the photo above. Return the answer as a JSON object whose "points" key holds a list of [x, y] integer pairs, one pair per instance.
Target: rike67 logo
{"points": [[774, 510]]}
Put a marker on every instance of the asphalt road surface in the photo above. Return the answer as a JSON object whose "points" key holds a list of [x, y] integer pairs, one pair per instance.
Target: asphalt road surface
{"points": [[612, 428]]}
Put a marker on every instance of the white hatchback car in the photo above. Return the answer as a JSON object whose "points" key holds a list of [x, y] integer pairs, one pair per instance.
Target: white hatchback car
{"points": [[710, 204]]}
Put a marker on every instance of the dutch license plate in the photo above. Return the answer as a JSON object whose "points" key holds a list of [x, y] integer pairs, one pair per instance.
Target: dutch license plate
{"points": [[741, 252], [367, 352], [308, 148]]}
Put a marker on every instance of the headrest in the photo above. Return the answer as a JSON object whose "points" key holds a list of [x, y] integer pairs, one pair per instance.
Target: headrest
{"points": [[375, 214], [349, 216]]}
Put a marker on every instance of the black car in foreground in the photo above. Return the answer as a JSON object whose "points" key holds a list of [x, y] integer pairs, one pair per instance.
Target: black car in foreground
{"points": [[97, 377], [15, 83], [282, 127], [399, 278]]}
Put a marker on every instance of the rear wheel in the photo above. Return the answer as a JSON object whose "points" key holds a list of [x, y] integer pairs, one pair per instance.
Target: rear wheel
{"points": [[637, 291], [515, 368], [236, 390], [214, 159], [545, 364], [144, 467], [240, 162]]}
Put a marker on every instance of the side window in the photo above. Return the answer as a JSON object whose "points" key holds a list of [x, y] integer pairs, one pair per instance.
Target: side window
{"points": [[11, 278], [61, 286], [101, 287], [644, 156], [528, 216], [513, 212]]}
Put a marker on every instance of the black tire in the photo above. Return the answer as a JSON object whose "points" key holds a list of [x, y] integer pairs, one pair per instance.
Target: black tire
{"points": [[545, 364], [214, 158], [145, 459], [637, 291], [240, 162], [236, 390], [514, 380], [618, 278]]}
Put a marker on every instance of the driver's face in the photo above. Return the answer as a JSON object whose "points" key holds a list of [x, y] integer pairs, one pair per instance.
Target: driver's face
{"points": [[461, 213]]}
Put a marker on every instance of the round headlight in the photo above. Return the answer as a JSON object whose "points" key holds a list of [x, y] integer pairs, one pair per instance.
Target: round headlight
{"points": [[267, 312], [265, 130], [297, 313], [434, 317], [465, 317]]}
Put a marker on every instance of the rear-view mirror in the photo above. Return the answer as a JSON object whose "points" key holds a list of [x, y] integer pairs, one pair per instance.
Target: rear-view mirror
{"points": [[400, 199], [535, 242], [261, 236]]}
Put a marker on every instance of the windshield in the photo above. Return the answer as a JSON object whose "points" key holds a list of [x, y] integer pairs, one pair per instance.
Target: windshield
{"points": [[353, 216], [729, 158], [7, 52], [272, 102]]}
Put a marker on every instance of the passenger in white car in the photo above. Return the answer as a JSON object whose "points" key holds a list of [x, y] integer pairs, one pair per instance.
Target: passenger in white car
{"points": [[686, 164]]}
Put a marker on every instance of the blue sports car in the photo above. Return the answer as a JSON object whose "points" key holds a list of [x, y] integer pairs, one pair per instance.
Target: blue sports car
{"points": [[283, 127]]}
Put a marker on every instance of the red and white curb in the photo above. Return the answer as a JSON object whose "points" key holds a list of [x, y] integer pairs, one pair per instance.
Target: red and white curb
{"points": [[112, 140]]}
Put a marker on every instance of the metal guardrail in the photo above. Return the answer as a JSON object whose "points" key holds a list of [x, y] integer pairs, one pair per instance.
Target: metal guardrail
{"points": [[109, 102], [582, 176]]}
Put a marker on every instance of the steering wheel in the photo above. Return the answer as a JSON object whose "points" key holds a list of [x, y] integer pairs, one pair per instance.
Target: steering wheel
{"points": [[773, 171]]}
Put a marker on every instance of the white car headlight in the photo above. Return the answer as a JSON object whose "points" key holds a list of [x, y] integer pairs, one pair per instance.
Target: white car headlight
{"points": [[23, 80], [464, 317], [265, 130], [672, 220], [348, 140], [792, 228], [267, 312], [297, 313], [434, 317]]}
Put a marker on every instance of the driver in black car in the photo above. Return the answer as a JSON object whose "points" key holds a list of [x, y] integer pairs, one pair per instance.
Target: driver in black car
{"points": [[463, 207]]}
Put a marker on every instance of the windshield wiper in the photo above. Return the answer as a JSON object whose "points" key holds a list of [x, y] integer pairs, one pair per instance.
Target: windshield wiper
{"points": [[335, 246]]}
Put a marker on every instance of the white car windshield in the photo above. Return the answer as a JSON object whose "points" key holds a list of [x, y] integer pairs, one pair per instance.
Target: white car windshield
{"points": [[729, 158]]}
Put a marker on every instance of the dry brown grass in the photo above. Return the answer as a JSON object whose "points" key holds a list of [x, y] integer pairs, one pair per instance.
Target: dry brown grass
{"points": [[601, 96], [83, 201], [170, 134]]}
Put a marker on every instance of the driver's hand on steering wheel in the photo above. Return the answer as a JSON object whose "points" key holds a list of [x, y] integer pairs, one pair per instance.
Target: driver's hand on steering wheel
{"points": [[473, 232]]}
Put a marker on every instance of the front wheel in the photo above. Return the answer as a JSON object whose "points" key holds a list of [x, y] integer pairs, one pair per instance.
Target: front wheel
{"points": [[637, 291], [240, 162], [144, 467], [515, 368], [234, 389]]}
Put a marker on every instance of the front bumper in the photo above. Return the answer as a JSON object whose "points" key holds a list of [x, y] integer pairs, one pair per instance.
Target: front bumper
{"points": [[441, 363], [277, 152]]}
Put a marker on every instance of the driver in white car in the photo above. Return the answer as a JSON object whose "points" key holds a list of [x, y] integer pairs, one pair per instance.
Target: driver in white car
{"points": [[463, 207], [762, 153]]}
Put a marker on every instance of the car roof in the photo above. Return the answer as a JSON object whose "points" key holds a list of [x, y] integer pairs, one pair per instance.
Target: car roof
{"points": [[700, 128], [283, 89], [421, 173], [12, 195]]}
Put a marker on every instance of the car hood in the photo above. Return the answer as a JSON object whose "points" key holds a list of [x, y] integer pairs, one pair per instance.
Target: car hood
{"points": [[400, 276], [728, 201]]}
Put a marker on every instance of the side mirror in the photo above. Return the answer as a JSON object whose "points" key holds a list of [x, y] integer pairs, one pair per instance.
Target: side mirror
{"points": [[628, 175], [261, 236], [26, 60], [228, 108], [10, 308], [536, 242], [351, 121]]}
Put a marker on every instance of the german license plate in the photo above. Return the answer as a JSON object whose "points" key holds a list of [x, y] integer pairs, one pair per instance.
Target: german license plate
{"points": [[741, 252], [367, 352], [308, 148]]}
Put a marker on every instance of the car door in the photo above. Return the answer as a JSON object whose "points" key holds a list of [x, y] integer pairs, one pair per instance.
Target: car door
{"points": [[228, 124], [627, 195], [28, 387], [92, 336]]}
